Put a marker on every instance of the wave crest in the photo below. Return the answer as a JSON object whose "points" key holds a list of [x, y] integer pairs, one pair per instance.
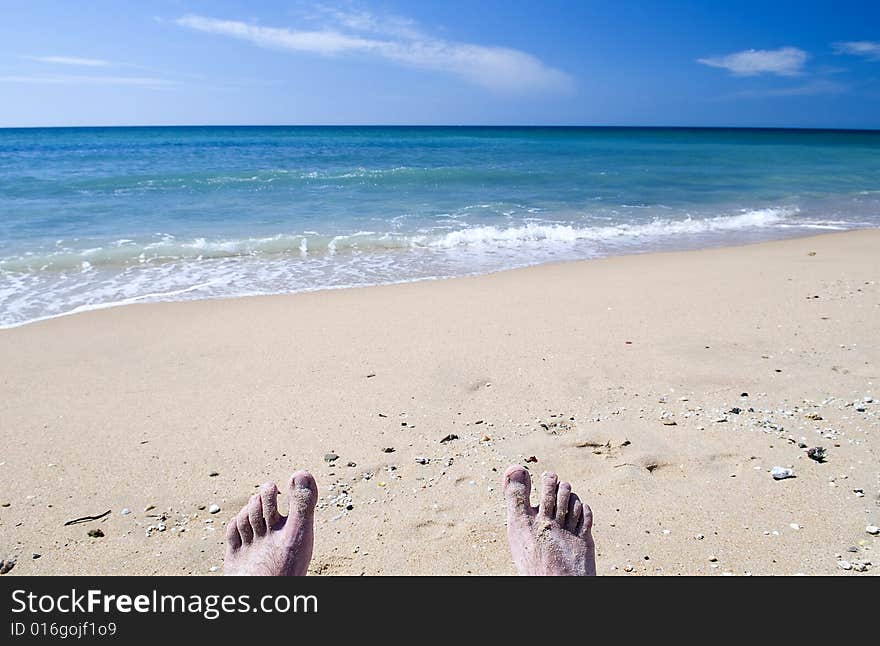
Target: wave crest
{"points": [[169, 249]]}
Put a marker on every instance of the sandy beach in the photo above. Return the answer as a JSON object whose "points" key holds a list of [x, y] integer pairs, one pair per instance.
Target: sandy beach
{"points": [[664, 387]]}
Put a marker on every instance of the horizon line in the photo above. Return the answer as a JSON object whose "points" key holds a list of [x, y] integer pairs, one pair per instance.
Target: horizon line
{"points": [[450, 125]]}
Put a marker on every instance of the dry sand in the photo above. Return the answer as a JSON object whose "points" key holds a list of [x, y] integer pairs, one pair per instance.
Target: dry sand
{"points": [[576, 364]]}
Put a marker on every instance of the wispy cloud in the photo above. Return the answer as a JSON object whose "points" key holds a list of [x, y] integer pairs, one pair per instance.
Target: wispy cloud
{"points": [[69, 60], [74, 79], [786, 61], [400, 41], [867, 48], [814, 88]]}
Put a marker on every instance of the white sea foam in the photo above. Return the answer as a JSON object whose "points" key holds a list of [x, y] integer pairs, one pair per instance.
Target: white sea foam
{"points": [[157, 296], [565, 233], [65, 279]]}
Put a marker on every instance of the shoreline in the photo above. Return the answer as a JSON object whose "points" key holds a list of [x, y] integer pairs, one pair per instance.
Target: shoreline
{"points": [[664, 386], [137, 300]]}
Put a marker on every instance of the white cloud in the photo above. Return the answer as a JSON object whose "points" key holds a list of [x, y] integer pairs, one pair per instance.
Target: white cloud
{"points": [[89, 80], [786, 61], [867, 48], [69, 60], [398, 40], [365, 21]]}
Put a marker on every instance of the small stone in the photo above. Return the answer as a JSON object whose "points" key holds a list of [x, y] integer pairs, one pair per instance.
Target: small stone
{"points": [[669, 422], [844, 565], [351, 464], [735, 410], [816, 417], [5, 504], [816, 453], [743, 394], [449, 438], [126, 511], [388, 449], [149, 508], [531, 458], [713, 559], [479, 421], [853, 549], [330, 457], [794, 526], [873, 530], [421, 460], [699, 537], [485, 438], [6, 565], [213, 474], [781, 473], [36, 555], [627, 568], [213, 509], [213, 568], [96, 533]]}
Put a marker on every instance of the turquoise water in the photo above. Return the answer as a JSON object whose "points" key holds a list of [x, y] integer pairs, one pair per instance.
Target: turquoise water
{"points": [[94, 217]]}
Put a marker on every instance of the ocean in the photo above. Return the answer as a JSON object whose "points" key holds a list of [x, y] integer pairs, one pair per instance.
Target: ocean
{"points": [[97, 217]]}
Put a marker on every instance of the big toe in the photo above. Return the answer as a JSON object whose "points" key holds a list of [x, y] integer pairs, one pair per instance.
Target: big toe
{"points": [[517, 488], [303, 492]]}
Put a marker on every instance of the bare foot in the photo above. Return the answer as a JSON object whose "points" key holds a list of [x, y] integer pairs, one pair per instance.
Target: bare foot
{"points": [[553, 539], [262, 542]]}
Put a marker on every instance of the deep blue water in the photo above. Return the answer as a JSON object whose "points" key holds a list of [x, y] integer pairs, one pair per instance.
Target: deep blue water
{"points": [[91, 217]]}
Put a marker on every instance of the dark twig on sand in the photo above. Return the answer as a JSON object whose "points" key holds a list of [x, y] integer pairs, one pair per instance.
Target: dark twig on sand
{"points": [[85, 519]]}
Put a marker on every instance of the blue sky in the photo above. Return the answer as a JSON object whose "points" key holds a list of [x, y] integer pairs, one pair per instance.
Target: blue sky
{"points": [[579, 62]]}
